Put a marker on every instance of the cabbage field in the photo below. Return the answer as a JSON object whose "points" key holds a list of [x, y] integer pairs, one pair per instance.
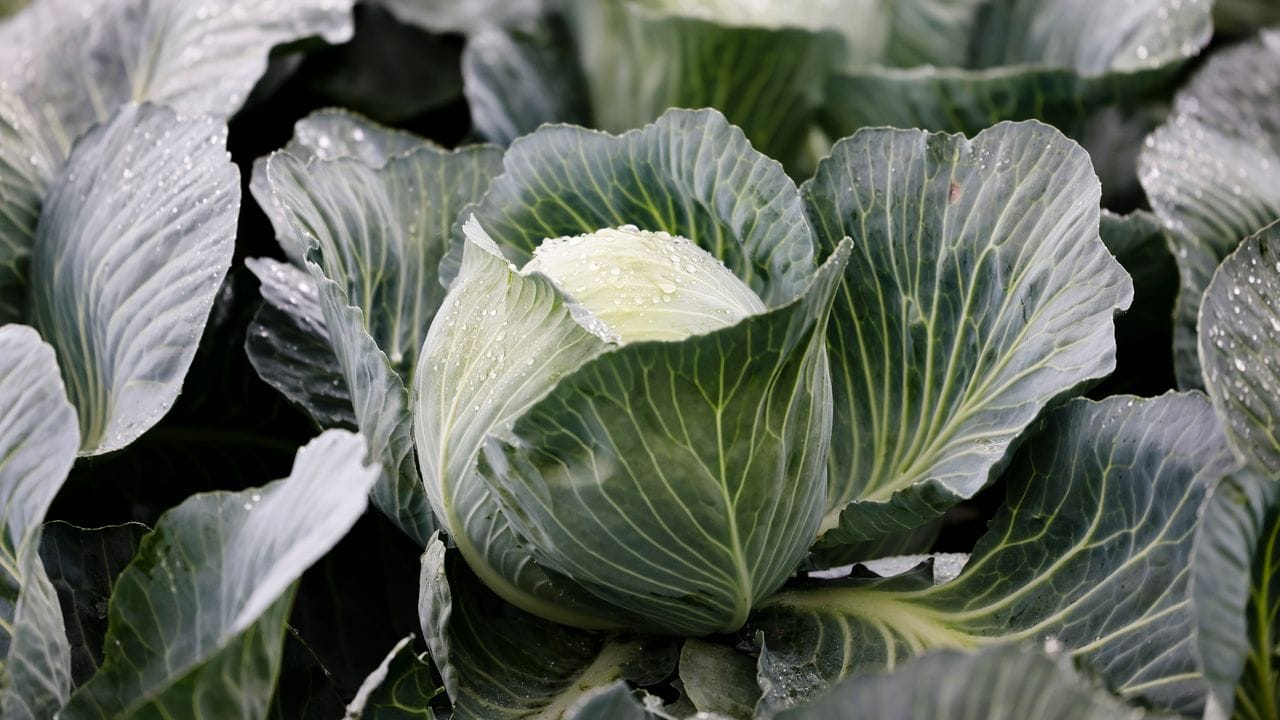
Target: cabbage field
{"points": [[639, 359]]}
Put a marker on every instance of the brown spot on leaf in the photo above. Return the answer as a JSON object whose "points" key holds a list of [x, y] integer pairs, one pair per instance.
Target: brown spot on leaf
{"points": [[954, 196]]}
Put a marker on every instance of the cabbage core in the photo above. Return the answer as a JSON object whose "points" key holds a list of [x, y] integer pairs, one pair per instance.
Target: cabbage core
{"points": [[629, 285]]}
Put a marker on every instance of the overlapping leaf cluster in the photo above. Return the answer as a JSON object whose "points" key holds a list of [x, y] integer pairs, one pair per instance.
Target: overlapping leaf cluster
{"points": [[692, 359]]}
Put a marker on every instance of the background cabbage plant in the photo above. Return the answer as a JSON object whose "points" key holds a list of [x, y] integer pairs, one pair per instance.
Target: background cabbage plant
{"points": [[638, 359]]}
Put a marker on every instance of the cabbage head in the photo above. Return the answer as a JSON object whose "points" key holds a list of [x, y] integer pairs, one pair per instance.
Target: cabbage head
{"points": [[624, 413]]}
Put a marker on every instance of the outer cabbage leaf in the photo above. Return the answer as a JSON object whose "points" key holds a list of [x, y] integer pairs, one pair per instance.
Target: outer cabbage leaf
{"points": [[26, 167], [1257, 692], [134, 239], [1006, 682], [1236, 591], [978, 293], [289, 346], [477, 385], [640, 60], [83, 565], [378, 235], [328, 134], [74, 62], [1238, 561], [718, 679], [1212, 173], [1093, 548], [38, 441], [198, 618], [1240, 349], [518, 79], [400, 688], [498, 662], [288, 342], [964, 66]]}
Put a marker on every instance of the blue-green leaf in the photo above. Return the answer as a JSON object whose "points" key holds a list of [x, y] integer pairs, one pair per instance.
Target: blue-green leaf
{"points": [[400, 688], [75, 62], [518, 79], [26, 167], [83, 565], [377, 235], [977, 294], [498, 662], [641, 58], [963, 66], [1236, 595], [1212, 173], [1093, 548], [680, 481], [1005, 682], [198, 617], [1238, 559], [1240, 349], [506, 338], [38, 441], [134, 239], [288, 341]]}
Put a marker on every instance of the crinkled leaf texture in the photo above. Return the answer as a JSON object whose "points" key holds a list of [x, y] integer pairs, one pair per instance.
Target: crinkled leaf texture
{"points": [[1004, 682], [376, 232], [691, 173], [38, 441], [498, 662], [134, 238], [197, 620], [1212, 173], [505, 340], [962, 66], [978, 293], [1093, 548]]}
